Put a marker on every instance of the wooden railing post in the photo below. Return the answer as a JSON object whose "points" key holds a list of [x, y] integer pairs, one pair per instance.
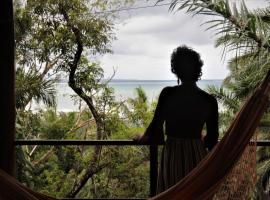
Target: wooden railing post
{"points": [[153, 169], [7, 100]]}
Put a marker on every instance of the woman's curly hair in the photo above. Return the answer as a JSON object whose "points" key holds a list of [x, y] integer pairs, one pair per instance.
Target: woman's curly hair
{"points": [[186, 64]]}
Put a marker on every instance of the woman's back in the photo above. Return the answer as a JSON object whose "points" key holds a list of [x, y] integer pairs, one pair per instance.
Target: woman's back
{"points": [[186, 109]]}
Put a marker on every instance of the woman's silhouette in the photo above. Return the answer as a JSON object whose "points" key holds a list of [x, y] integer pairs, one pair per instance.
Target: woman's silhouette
{"points": [[181, 113]]}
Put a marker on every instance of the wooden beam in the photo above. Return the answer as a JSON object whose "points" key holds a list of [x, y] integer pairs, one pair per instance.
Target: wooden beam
{"points": [[7, 101]]}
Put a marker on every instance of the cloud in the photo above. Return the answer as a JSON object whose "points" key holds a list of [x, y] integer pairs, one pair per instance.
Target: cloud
{"points": [[147, 37], [177, 28], [158, 67]]}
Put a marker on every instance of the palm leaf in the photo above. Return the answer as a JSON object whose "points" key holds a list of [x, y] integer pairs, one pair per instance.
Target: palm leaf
{"points": [[30, 86]]}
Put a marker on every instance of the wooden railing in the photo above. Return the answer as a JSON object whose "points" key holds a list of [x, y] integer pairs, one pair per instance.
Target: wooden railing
{"points": [[153, 151]]}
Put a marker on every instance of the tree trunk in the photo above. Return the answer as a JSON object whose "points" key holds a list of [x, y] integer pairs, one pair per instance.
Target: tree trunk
{"points": [[93, 166]]}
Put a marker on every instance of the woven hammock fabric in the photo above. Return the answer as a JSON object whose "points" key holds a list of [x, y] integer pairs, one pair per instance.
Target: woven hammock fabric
{"points": [[11, 189], [240, 182], [203, 182]]}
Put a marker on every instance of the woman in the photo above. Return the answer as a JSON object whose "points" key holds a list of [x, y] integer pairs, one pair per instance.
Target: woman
{"points": [[184, 110]]}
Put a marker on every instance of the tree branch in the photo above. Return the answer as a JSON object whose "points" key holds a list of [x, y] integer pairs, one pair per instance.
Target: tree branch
{"points": [[93, 166]]}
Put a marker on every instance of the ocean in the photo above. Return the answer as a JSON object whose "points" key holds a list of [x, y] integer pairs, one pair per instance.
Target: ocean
{"points": [[123, 90]]}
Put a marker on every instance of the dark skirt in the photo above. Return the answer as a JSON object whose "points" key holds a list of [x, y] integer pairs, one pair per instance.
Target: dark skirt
{"points": [[179, 156]]}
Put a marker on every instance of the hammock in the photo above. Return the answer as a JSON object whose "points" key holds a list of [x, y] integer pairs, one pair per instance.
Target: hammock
{"points": [[11, 189], [205, 180]]}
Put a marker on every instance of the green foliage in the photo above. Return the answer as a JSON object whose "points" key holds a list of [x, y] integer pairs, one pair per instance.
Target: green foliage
{"points": [[42, 36], [52, 170], [126, 176], [138, 110], [27, 124], [56, 126], [225, 97], [46, 43], [30, 86]]}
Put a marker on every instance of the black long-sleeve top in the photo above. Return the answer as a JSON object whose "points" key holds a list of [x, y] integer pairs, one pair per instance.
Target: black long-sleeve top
{"points": [[182, 111]]}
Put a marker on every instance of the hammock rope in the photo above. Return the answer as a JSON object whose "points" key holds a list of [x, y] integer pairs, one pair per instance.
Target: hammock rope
{"points": [[240, 182], [206, 179]]}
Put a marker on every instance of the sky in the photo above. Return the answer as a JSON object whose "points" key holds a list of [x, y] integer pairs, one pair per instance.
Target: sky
{"points": [[146, 38]]}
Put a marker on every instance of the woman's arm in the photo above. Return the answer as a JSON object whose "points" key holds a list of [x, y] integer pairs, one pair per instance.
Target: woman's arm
{"points": [[211, 139], [154, 132]]}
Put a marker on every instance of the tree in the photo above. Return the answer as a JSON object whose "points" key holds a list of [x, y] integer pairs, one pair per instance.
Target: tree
{"points": [[52, 170], [55, 37]]}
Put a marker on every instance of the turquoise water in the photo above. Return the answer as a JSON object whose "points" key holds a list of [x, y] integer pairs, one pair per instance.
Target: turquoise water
{"points": [[123, 90]]}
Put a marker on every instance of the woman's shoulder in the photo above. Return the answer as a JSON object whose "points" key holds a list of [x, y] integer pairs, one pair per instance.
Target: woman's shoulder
{"points": [[168, 89], [208, 96]]}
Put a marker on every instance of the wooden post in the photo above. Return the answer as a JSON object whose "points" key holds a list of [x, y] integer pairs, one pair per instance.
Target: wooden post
{"points": [[7, 101], [153, 169]]}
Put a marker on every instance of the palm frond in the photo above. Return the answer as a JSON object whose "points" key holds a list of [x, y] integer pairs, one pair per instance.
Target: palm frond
{"points": [[244, 26], [29, 86], [225, 97]]}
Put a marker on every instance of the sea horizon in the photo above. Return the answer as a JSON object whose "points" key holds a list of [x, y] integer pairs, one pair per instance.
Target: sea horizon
{"points": [[123, 89], [159, 79], [140, 80]]}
